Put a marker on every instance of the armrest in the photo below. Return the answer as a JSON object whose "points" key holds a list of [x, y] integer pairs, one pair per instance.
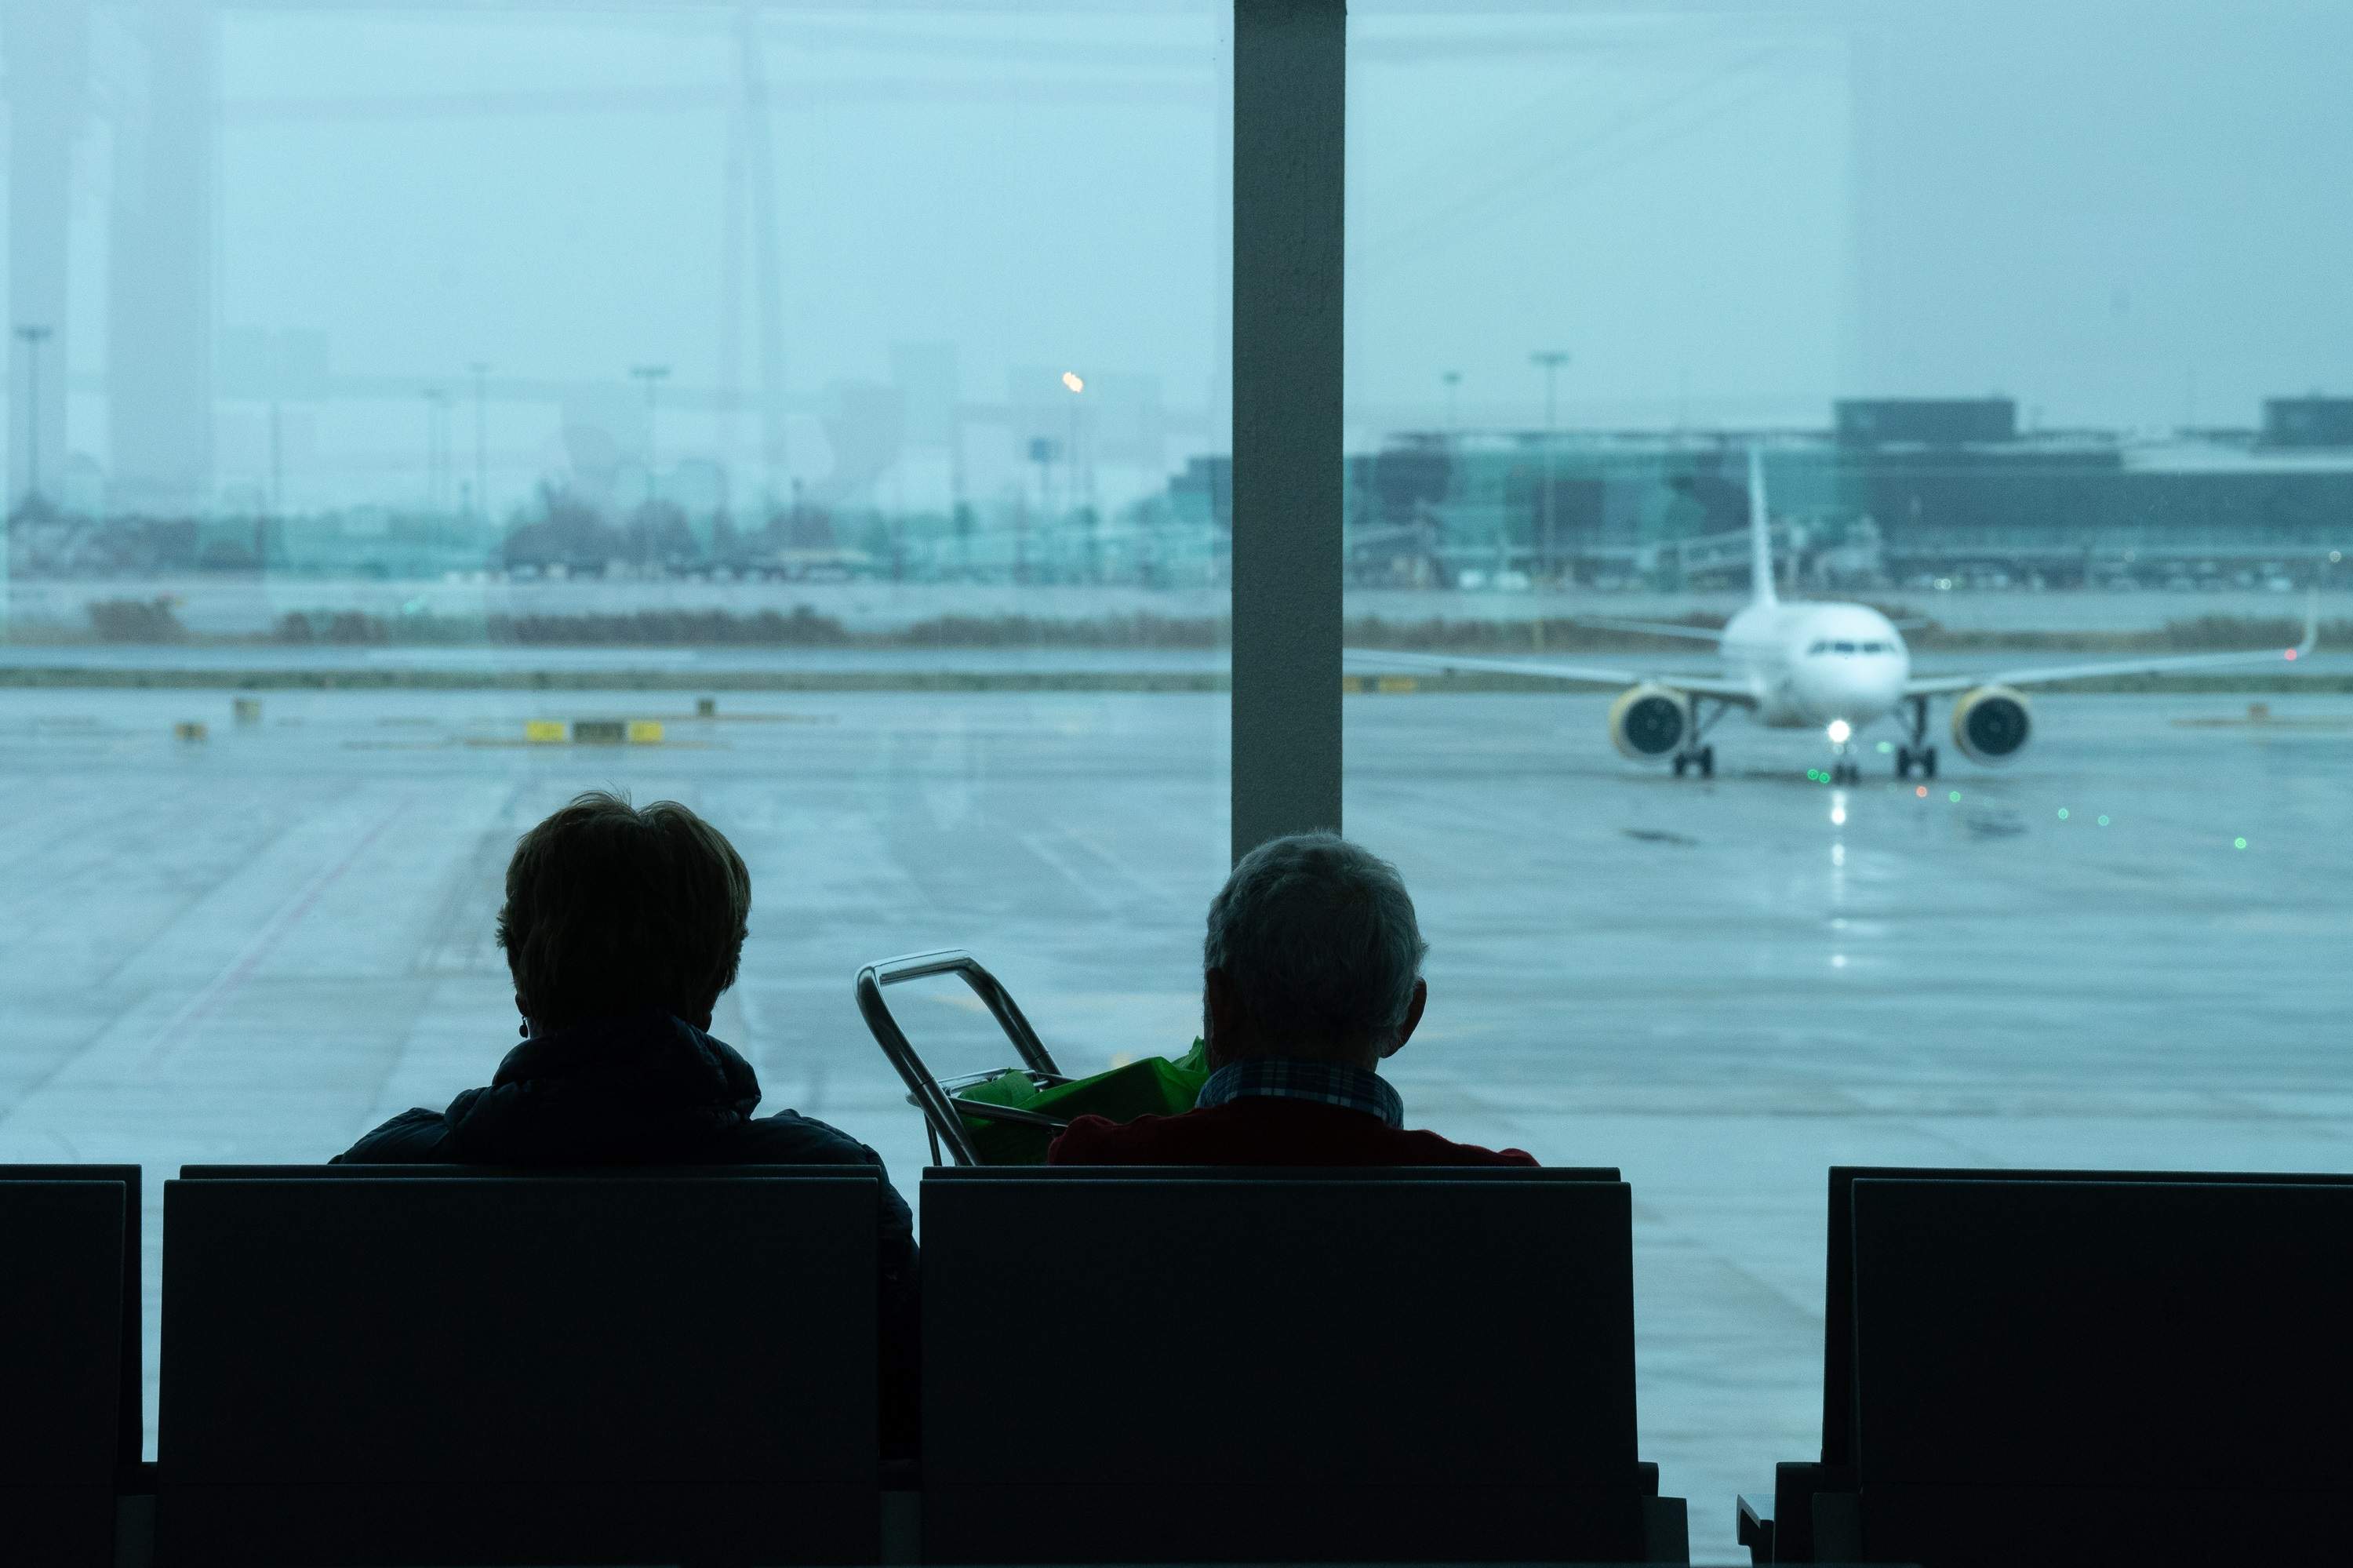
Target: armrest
{"points": [[1754, 1528], [1666, 1531], [1646, 1477], [1792, 1521]]}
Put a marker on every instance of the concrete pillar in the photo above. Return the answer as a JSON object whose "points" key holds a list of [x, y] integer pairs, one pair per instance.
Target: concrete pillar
{"points": [[47, 66], [159, 376]]}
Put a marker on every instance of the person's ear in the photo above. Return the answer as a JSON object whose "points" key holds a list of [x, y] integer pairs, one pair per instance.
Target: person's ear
{"points": [[1412, 1018], [524, 1009]]}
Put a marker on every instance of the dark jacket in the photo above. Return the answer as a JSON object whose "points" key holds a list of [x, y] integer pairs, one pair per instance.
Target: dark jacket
{"points": [[1265, 1131], [652, 1089]]}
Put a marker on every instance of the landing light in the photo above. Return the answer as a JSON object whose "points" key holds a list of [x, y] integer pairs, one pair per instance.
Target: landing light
{"points": [[1840, 729]]}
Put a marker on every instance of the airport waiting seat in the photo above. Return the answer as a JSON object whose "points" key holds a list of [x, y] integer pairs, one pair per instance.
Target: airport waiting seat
{"points": [[434, 1365], [70, 1385], [1781, 1529], [1221, 1365], [2055, 1373]]}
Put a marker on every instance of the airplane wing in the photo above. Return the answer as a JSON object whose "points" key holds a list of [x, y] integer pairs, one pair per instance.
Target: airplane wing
{"points": [[2042, 675], [1716, 686], [1653, 628]]}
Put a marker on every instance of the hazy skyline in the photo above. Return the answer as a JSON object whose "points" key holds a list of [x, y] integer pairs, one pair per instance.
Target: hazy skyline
{"points": [[2119, 215]]}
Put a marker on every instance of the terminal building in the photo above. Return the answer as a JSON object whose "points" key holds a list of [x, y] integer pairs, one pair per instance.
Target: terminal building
{"points": [[1894, 492]]}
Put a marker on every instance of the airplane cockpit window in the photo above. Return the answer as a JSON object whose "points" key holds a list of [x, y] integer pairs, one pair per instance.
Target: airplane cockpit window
{"points": [[1846, 647], [1817, 650]]}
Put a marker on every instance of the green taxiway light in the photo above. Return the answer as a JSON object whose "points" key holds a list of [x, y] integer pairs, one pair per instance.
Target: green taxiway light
{"points": [[2237, 844], [2062, 813], [2103, 821], [1955, 797]]}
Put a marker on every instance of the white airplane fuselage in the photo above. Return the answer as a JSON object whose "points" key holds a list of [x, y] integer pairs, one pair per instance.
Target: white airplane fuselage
{"points": [[1809, 664]]}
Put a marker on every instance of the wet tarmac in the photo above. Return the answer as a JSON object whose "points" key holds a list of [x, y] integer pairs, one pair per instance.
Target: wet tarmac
{"points": [[255, 946]]}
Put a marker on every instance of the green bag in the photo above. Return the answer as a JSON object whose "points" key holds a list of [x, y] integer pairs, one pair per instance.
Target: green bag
{"points": [[1154, 1086]]}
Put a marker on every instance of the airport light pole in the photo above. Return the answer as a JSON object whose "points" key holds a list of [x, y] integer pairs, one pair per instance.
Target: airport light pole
{"points": [[1076, 385], [33, 337], [436, 406], [1550, 360], [481, 373], [652, 375]]}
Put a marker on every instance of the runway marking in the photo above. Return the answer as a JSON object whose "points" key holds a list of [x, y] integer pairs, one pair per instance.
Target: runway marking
{"points": [[164, 1048]]}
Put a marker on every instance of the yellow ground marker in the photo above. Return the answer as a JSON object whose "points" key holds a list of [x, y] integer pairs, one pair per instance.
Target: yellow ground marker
{"points": [[1398, 684], [645, 732], [544, 732]]}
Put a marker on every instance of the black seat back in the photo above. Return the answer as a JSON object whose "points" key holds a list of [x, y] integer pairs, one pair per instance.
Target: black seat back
{"points": [[1286, 1365], [63, 1381], [130, 1430], [2156, 1372], [1838, 1290], [612, 1367]]}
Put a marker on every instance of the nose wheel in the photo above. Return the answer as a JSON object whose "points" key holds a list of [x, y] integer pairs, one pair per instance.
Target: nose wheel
{"points": [[1846, 772], [1700, 759], [1919, 754]]}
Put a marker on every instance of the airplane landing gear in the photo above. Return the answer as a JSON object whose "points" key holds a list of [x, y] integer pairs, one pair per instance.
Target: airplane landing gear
{"points": [[1846, 772], [1703, 758], [1919, 754], [1694, 754]]}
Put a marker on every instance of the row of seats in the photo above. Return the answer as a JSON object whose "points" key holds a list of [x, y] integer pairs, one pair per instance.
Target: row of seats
{"points": [[446, 1365]]}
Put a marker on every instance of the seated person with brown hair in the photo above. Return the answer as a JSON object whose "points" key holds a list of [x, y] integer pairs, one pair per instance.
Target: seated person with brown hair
{"points": [[622, 926], [1311, 978]]}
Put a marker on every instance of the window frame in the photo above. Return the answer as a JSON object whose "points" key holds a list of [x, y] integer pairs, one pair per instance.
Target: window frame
{"points": [[1290, 199]]}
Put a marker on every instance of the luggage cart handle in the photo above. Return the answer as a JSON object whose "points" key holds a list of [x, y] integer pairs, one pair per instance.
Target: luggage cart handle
{"points": [[938, 1108]]}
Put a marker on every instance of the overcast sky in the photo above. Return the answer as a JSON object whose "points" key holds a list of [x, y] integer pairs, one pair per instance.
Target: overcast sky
{"points": [[2118, 214]]}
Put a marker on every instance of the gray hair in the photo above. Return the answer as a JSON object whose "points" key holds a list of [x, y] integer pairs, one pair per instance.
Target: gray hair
{"points": [[1317, 938]]}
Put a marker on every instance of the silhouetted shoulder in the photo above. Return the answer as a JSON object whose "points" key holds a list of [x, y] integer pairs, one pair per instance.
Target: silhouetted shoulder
{"points": [[418, 1137], [788, 1137], [1098, 1141], [1432, 1148]]}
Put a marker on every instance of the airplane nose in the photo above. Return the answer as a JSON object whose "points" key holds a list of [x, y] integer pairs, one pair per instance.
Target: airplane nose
{"points": [[1862, 694]]}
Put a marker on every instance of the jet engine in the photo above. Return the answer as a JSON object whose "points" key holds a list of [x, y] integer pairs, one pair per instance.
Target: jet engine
{"points": [[1650, 721], [1991, 724]]}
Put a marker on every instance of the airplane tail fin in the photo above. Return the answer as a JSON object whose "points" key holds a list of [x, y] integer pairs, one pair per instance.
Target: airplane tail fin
{"points": [[1760, 534]]}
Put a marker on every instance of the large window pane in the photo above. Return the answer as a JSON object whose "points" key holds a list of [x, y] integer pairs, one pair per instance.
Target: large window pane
{"points": [[419, 415], [2021, 310]]}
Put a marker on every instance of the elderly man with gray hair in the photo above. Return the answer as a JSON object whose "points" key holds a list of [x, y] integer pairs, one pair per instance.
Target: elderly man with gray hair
{"points": [[1310, 979]]}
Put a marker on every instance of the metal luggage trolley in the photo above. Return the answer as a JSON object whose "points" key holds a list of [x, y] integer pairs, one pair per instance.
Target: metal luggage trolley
{"points": [[944, 1110]]}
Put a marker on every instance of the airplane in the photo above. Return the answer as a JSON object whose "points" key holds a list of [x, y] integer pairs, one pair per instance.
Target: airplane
{"points": [[1837, 667]]}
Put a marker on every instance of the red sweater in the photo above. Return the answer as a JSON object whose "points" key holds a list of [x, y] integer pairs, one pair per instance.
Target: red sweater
{"points": [[1265, 1131]]}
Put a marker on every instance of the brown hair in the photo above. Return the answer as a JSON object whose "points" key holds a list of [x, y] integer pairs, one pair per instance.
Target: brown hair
{"points": [[612, 909]]}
